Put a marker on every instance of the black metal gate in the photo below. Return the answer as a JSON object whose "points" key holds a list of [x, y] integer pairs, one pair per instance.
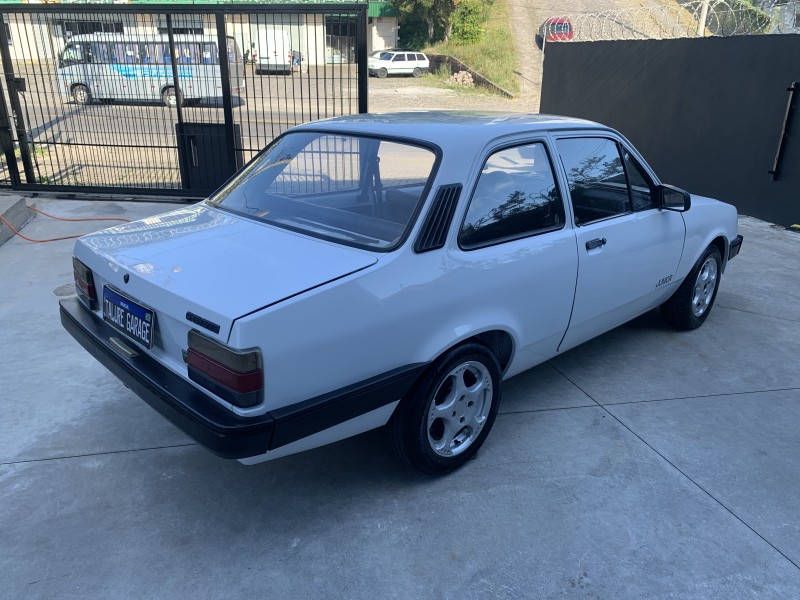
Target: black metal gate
{"points": [[166, 99]]}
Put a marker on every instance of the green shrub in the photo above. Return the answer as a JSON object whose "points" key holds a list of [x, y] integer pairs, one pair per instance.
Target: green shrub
{"points": [[467, 21]]}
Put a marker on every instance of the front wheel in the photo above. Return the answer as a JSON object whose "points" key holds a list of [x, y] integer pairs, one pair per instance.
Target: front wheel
{"points": [[689, 306], [81, 94], [382, 73], [446, 418]]}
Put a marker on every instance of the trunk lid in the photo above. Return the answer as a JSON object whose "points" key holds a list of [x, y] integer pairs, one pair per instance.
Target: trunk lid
{"points": [[212, 263]]}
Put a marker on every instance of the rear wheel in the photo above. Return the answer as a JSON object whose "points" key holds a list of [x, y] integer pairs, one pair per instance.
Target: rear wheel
{"points": [[689, 306], [382, 73], [81, 94], [170, 98], [446, 418], [416, 72]]}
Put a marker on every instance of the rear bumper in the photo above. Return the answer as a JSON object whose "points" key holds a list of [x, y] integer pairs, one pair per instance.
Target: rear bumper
{"points": [[221, 431], [735, 246], [199, 416]]}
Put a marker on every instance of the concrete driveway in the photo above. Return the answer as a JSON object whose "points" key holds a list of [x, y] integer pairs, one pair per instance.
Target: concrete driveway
{"points": [[647, 463]]}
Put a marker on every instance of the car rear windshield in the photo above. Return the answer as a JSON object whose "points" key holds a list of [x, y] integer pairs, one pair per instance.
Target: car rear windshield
{"points": [[361, 191]]}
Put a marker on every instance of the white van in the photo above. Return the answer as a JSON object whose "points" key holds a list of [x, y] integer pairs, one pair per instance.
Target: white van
{"points": [[274, 51], [110, 66]]}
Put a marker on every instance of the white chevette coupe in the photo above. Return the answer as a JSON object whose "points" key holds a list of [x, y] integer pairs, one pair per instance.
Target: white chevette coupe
{"points": [[391, 269]]}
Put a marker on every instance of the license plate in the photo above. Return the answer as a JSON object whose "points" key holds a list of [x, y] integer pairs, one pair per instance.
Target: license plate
{"points": [[129, 317]]}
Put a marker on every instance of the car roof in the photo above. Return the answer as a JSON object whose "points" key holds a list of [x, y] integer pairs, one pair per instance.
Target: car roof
{"points": [[449, 128]]}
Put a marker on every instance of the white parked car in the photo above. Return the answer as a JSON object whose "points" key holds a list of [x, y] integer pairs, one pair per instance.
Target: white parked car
{"points": [[397, 62], [391, 269]]}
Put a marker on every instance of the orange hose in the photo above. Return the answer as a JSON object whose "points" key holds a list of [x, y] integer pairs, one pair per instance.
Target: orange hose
{"points": [[41, 212], [66, 237]]}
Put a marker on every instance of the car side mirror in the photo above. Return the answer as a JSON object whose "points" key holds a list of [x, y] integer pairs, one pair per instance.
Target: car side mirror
{"points": [[673, 198]]}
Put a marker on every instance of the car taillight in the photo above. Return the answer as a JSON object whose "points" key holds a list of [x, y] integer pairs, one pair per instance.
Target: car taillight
{"points": [[84, 283], [234, 375]]}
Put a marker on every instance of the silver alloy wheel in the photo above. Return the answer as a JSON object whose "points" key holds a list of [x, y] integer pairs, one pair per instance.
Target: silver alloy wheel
{"points": [[459, 408], [704, 287], [170, 99]]}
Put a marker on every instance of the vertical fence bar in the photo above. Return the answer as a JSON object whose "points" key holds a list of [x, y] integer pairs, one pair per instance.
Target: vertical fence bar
{"points": [[13, 96], [227, 104], [174, 62], [361, 58], [7, 141]]}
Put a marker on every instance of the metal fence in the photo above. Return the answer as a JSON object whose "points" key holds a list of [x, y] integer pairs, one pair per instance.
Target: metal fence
{"points": [[167, 99], [679, 20]]}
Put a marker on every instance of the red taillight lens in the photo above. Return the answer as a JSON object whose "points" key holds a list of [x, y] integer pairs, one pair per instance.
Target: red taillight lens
{"points": [[84, 283], [234, 375]]}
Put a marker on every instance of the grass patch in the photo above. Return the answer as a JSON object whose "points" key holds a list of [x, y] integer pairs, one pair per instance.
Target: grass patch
{"points": [[494, 55]]}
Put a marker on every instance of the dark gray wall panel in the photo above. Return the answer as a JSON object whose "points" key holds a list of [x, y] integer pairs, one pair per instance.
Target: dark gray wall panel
{"points": [[707, 113]]}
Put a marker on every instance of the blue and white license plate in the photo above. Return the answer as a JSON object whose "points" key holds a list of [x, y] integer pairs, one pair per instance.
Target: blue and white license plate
{"points": [[129, 317]]}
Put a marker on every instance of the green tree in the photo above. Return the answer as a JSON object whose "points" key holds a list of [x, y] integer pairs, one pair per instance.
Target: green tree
{"points": [[434, 13]]}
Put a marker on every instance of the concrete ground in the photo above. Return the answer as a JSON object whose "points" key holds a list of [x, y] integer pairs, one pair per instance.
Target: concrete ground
{"points": [[647, 463]]}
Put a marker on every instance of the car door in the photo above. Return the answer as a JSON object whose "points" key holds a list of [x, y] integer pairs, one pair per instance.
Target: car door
{"points": [[628, 249], [400, 64], [517, 255]]}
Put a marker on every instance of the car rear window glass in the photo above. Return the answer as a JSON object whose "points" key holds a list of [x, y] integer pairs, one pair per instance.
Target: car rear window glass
{"points": [[357, 190], [516, 196]]}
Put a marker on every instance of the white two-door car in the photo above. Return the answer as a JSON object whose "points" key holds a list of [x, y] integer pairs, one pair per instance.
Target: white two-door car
{"points": [[391, 270]]}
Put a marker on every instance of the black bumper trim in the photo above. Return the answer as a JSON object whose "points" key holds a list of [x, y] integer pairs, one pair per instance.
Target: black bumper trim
{"points": [[735, 246], [210, 424], [300, 420]]}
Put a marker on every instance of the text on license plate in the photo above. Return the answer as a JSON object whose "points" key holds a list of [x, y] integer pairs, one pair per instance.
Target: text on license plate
{"points": [[127, 316]]}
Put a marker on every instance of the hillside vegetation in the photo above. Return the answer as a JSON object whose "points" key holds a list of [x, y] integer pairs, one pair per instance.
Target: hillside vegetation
{"points": [[492, 54]]}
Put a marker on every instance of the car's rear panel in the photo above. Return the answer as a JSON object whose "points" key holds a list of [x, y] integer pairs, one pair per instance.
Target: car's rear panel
{"points": [[200, 269]]}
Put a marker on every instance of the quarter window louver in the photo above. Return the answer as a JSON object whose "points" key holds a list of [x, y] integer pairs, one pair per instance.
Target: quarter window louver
{"points": [[437, 224]]}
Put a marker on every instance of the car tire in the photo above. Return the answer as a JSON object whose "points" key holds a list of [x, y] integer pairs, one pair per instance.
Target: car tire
{"points": [[382, 73], [689, 306], [447, 416], [81, 94], [539, 40], [416, 72], [170, 98]]}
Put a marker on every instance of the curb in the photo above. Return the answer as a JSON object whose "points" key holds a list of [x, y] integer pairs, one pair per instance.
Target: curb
{"points": [[16, 213]]}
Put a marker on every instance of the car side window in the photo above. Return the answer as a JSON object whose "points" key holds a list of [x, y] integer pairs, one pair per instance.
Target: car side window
{"points": [[598, 186], [399, 58], [641, 186], [516, 196]]}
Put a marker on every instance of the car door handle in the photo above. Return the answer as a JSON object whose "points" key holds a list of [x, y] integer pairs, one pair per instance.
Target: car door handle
{"points": [[596, 243]]}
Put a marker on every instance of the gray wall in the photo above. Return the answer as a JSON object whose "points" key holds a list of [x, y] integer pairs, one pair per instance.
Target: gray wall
{"points": [[707, 113]]}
